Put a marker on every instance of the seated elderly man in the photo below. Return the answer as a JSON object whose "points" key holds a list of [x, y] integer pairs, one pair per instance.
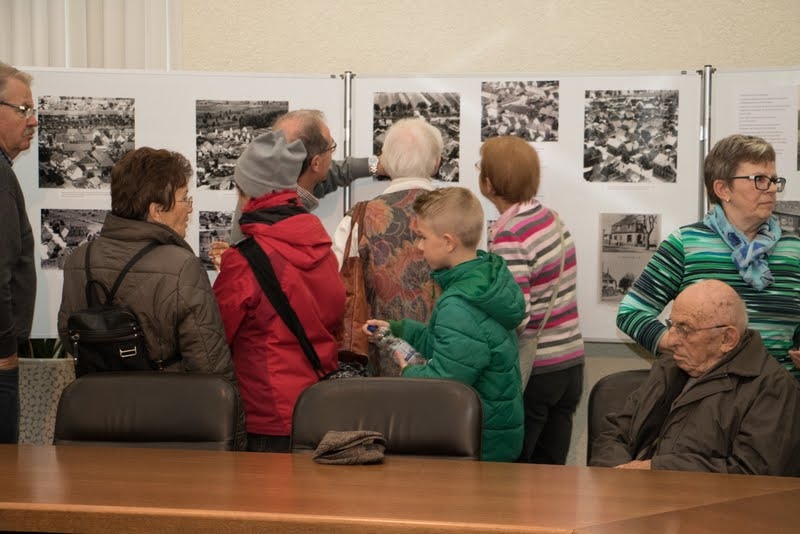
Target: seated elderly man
{"points": [[719, 402]]}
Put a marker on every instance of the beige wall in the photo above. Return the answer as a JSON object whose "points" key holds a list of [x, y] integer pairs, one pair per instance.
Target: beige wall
{"points": [[501, 36]]}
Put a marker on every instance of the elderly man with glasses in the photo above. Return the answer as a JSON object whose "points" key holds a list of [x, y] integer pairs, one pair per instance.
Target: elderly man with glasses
{"points": [[715, 401], [320, 174], [17, 271]]}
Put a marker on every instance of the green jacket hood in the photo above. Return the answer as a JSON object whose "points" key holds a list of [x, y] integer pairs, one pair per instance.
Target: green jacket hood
{"points": [[487, 284]]}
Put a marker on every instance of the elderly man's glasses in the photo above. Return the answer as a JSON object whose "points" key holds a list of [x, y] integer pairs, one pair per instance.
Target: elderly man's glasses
{"points": [[25, 110], [332, 148], [188, 200], [763, 182], [685, 331]]}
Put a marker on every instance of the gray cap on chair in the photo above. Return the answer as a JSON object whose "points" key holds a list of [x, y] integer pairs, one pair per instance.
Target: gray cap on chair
{"points": [[350, 447]]}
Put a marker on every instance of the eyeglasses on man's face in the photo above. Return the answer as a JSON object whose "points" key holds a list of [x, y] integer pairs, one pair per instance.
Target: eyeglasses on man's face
{"points": [[332, 148], [27, 111], [763, 182], [686, 331], [188, 200]]}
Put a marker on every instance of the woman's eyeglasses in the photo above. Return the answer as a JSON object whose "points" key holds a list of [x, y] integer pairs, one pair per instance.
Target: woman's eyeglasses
{"points": [[763, 182]]}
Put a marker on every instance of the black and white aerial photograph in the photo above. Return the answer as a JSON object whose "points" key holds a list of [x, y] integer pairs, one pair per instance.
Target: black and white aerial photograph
{"points": [[630, 136], [214, 226], [64, 230], [440, 109], [526, 109], [788, 214], [81, 138], [628, 243], [489, 236], [224, 129]]}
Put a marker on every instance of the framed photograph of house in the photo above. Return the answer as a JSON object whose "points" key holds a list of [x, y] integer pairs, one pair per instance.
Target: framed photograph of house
{"points": [[630, 136], [628, 242], [788, 214], [81, 138]]}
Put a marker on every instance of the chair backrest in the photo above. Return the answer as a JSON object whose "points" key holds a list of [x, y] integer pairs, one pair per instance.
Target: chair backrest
{"points": [[417, 416], [143, 409], [607, 396]]}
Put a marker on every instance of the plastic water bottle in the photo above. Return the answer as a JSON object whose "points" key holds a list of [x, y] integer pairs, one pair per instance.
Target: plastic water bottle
{"points": [[390, 345]]}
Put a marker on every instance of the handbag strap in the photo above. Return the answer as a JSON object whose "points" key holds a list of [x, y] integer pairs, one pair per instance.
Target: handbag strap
{"points": [[109, 295], [262, 269], [560, 229], [356, 218]]}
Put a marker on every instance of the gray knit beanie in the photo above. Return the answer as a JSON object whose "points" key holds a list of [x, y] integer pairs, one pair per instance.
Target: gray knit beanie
{"points": [[269, 164]]}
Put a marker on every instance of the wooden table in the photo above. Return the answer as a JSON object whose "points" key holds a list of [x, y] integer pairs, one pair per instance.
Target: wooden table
{"points": [[93, 489], [774, 513]]}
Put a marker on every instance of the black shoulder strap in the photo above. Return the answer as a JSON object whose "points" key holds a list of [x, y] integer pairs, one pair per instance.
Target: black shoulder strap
{"points": [[91, 297], [268, 280], [147, 248]]}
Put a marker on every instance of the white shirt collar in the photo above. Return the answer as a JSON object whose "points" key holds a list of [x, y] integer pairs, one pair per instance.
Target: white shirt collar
{"points": [[404, 184]]}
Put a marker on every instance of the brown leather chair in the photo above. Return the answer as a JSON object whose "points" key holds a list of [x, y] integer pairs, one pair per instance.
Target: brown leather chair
{"points": [[607, 396], [417, 416], [143, 409]]}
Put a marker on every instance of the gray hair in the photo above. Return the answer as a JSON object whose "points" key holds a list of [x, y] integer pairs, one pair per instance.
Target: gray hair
{"points": [[308, 128], [7, 72], [412, 148], [726, 156]]}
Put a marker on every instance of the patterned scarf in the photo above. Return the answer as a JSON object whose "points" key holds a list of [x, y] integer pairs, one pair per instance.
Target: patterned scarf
{"points": [[750, 257]]}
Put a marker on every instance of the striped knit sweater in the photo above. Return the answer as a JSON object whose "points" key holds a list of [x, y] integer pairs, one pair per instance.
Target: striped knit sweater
{"points": [[526, 236], [695, 252]]}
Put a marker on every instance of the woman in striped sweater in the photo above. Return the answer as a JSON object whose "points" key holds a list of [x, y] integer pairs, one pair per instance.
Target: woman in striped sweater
{"points": [[739, 242], [540, 253]]}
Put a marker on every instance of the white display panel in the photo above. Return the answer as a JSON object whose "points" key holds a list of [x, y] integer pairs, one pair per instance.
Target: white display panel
{"points": [[763, 103], [164, 118], [563, 187], [165, 106]]}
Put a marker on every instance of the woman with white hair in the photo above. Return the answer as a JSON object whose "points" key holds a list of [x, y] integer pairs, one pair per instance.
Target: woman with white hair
{"points": [[397, 280]]}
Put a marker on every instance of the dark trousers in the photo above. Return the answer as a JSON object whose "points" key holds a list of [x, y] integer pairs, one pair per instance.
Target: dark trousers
{"points": [[9, 397], [264, 443], [9, 405], [550, 401]]}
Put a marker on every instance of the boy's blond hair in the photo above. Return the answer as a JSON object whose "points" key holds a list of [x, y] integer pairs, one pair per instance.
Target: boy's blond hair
{"points": [[452, 210]]}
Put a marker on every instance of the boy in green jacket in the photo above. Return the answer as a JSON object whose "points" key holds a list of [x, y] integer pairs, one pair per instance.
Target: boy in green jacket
{"points": [[471, 333]]}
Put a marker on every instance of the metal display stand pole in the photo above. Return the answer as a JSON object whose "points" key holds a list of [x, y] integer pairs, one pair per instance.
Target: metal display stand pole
{"points": [[348, 124], [705, 130]]}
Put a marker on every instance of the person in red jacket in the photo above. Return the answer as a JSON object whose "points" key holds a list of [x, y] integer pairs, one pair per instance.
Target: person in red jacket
{"points": [[270, 365]]}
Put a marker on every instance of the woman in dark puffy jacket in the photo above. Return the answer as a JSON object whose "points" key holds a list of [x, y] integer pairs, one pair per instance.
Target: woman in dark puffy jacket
{"points": [[167, 289]]}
